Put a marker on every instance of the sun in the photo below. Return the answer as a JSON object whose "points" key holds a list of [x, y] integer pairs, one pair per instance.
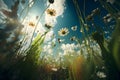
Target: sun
{"points": [[30, 21]]}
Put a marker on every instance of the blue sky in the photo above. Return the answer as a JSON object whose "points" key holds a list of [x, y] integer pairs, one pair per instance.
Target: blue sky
{"points": [[66, 16]]}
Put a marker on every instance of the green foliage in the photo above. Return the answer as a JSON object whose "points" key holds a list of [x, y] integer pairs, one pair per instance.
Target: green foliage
{"points": [[115, 44], [31, 64], [73, 67], [116, 49], [33, 53], [18, 67]]}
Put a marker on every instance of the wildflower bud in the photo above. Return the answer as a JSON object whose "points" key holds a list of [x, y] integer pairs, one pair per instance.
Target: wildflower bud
{"points": [[89, 18], [48, 26], [51, 1], [59, 40], [96, 11], [108, 15], [20, 42], [73, 38], [86, 27], [74, 28], [107, 18]]}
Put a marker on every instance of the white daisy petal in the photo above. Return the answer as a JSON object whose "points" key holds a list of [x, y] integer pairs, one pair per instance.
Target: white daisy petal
{"points": [[63, 32]]}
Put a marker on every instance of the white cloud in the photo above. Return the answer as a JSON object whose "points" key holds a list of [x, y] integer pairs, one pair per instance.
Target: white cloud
{"points": [[69, 48], [54, 40], [48, 49], [58, 6], [49, 36]]}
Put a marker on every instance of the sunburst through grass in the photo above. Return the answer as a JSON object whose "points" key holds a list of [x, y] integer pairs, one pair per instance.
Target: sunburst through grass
{"points": [[66, 54]]}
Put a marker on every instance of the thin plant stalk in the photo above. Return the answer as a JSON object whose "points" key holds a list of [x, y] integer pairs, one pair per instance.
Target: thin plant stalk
{"points": [[39, 18], [79, 13], [27, 6]]}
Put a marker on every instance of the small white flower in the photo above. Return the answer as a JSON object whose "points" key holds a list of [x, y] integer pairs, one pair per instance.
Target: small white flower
{"points": [[51, 12], [54, 69], [74, 28], [101, 74], [63, 32]]}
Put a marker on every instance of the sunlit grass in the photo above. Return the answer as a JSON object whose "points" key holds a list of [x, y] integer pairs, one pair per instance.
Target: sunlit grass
{"points": [[93, 57]]}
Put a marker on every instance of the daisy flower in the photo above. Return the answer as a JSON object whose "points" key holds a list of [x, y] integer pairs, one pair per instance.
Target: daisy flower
{"points": [[51, 12], [74, 28], [31, 24], [63, 32]]}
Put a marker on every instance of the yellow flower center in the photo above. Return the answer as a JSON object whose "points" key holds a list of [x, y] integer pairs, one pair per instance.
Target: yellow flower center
{"points": [[31, 24], [63, 32]]}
